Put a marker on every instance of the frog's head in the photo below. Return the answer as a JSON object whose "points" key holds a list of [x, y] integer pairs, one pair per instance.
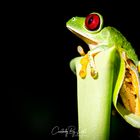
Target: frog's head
{"points": [[89, 29]]}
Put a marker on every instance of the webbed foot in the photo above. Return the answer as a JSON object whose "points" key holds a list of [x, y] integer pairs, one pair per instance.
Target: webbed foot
{"points": [[84, 62], [87, 59]]}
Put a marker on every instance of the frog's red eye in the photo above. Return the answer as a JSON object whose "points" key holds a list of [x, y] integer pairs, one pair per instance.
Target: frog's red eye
{"points": [[92, 22]]}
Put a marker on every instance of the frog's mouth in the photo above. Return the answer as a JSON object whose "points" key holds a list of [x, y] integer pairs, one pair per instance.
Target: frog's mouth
{"points": [[87, 39]]}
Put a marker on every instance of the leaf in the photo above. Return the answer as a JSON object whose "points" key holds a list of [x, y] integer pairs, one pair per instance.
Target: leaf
{"points": [[95, 95]]}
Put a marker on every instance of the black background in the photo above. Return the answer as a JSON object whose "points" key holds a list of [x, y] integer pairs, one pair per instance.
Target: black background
{"points": [[41, 86]]}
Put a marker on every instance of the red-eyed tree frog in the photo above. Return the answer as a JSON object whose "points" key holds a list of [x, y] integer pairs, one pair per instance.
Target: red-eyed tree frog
{"points": [[90, 29]]}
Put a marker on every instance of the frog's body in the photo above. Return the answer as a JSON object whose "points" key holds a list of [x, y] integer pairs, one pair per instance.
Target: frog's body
{"points": [[114, 38], [108, 36], [90, 30]]}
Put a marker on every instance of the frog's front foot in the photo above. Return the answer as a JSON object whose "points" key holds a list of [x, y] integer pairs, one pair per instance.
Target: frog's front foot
{"points": [[87, 59], [84, 62], [93, 71]]}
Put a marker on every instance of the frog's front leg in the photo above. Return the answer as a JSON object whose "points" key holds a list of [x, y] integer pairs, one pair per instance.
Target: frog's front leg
{"points": [[88, 59], [93, 71], [84, 62]]}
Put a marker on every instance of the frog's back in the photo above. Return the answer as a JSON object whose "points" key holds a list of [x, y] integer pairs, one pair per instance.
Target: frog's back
{"points": [[121, 41]]}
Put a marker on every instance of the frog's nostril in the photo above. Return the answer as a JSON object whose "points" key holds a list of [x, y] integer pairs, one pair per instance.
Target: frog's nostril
{"points": [[73, 19]]}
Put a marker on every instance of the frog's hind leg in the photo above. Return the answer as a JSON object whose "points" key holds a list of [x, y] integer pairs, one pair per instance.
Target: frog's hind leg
{"points": [[125, 59], [139, 66], [130, 90]]}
